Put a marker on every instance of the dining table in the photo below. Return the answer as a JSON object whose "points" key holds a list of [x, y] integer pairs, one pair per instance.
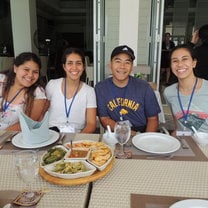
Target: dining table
{"points": [[55, 196], [153, 181], [142, 181]]}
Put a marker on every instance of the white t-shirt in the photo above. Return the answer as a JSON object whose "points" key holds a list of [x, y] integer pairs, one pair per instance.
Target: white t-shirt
{"points": [[10, 117], [85, 98]]}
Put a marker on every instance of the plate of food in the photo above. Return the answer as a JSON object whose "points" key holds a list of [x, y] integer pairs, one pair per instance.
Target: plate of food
{"points": [[70, 169], [100, 154], [96, 156]]}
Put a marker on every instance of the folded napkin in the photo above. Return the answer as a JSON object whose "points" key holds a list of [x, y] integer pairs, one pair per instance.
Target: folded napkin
{"points": [[34, 132]]}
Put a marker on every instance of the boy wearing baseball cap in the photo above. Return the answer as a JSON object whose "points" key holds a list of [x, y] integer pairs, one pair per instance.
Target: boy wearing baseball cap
{"points": [[123, 97]]}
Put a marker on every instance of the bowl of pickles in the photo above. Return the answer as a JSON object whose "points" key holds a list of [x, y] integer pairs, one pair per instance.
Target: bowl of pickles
{"points": [[53, 154]]}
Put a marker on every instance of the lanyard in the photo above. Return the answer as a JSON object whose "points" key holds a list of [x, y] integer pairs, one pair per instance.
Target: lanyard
{"points": [[67, 111], [7, 103], [185, 115], [114, 91]]}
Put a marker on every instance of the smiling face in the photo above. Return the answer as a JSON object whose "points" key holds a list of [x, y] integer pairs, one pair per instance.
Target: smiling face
{"points": [[182, 63], [27, 73], [73, 66], [121, 66]]}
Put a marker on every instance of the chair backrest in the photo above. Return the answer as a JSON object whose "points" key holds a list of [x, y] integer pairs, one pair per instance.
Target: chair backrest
{"points": [[161, 114], [87, 61], [142, 68], [90, 75]]}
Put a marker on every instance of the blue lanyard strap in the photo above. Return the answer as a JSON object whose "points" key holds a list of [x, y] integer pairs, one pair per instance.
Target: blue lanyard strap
{"points": [[67, 111], [7, 103], [185, 115]]}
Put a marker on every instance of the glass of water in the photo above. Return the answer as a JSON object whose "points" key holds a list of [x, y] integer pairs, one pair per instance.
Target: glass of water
{"points": [[122, 132], [26, 167]]}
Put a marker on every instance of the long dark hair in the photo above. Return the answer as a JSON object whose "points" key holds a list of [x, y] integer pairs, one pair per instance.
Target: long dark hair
{"points": [[29, 98], [203, 34], [79, 52]]}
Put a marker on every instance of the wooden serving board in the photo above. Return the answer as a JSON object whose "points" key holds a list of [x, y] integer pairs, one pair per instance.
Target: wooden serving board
{"points": [[78, 181]]}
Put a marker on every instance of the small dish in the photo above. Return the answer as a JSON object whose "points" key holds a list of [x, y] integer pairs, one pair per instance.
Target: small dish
{"points": [[53, 154], [201, 138], [70, 169], [80, 144], [101, 156], [78, 154], [109, 139]]}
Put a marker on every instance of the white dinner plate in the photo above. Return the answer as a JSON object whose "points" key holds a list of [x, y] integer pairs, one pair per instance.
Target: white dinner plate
{"points": [[191, 203], [156, 143], [18, 141]]}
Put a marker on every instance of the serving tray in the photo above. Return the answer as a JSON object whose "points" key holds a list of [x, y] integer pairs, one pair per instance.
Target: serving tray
{"points": [[78, 181]]}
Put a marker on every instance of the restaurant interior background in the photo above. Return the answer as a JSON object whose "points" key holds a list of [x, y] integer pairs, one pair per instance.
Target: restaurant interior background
{"points": [[62, 23]]}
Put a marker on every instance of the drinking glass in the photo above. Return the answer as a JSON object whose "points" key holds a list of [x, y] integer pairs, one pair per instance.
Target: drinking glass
{"points": [[26, 167], [122, 132]]}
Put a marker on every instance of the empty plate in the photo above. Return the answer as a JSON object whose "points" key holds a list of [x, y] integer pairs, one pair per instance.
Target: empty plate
{"points": [[156, 143]]}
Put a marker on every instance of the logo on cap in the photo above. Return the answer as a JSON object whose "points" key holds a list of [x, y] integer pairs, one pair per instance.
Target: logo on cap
{"points": [[125, 49]]}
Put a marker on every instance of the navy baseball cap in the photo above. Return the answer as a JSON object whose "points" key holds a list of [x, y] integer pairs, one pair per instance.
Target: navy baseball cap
{"points": [[123, 49]]}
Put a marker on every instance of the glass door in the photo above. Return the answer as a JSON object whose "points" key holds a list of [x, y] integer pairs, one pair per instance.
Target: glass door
{"points": [[99, 40], [156, 39]]}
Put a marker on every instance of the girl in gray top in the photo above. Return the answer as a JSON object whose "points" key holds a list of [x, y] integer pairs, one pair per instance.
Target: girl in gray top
{"points": [[189, 97]]}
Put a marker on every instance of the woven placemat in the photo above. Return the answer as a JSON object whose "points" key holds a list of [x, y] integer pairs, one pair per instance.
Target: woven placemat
{"points": [[193, 153], [7, 197]]}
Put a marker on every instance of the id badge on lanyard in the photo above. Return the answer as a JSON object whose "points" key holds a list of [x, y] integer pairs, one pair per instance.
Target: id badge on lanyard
{"points": [[183, 133], [67, 128]]}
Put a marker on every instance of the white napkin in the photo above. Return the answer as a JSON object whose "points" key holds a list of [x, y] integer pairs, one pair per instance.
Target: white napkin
{"points": [[34, 132]]}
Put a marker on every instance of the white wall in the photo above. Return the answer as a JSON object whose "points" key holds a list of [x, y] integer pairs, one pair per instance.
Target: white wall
{"points": [[128, 27], [144, 31], [138, 40], [111, 27], [24, 23]]}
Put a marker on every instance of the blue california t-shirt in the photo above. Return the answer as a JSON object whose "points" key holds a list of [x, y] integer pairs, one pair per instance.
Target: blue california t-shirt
{"points": [[137, 98]]}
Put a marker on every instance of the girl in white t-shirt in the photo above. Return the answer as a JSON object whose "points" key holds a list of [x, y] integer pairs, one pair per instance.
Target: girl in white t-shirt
{"points": [[72, 102]]}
